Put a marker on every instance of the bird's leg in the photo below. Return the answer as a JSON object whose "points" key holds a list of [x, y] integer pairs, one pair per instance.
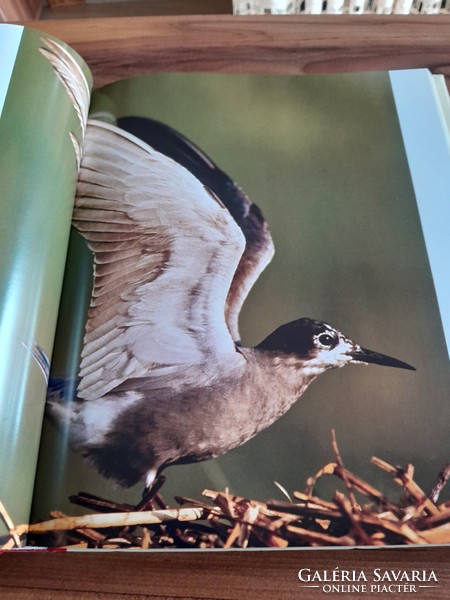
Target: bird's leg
{"points": [[150, 479], [150, 495]]}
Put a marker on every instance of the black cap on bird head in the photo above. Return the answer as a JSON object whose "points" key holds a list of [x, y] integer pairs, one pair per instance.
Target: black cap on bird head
{"points": [[323, 346]]}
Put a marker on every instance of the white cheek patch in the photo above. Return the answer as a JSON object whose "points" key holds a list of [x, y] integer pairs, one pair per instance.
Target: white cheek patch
{"points": [[326, 358]]}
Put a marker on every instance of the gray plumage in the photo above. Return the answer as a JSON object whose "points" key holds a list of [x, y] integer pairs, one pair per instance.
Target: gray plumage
{"points": [[163, 377]]}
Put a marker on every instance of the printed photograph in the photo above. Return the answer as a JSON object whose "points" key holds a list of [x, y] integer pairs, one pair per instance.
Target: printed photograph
{"points": [[297, 193], [249, 349]]}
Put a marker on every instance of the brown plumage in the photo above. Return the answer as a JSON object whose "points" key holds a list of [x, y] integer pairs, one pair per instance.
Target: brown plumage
{"points": [[163, 376]]}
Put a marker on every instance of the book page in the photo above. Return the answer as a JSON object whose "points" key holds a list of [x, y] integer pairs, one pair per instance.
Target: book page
{"points": [[427, 144], [323, 157], [44, 95]]}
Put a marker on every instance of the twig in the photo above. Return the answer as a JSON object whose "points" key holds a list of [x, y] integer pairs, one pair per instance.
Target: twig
{"points": [[438, 535], [125, 519], [312, 501], [91, 534], [440, 483], [402, 530], [233, 521], [430, 522], [341, 471], [328, 469], [99, 504], [283, 490], [10, 525], [404, 478], [272, 533], [320, 539], [353, 517], [306, 510]]}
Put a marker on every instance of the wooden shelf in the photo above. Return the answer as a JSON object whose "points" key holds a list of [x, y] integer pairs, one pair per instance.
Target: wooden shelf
{"points": [[211, 575], [116, 48], [15, 10], [70, 9]]}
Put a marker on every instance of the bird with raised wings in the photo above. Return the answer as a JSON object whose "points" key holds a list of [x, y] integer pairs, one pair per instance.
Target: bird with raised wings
{"points": [[164, 378]]}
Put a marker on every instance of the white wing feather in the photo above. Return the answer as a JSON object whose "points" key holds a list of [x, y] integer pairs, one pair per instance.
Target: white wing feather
{"points": [[71, 76], [165, 252]]}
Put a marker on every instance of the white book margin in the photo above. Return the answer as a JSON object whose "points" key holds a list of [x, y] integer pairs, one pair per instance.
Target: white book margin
{"points": [[423, 110], [10, 36]]}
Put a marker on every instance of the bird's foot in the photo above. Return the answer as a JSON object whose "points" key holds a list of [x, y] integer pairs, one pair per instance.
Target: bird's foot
{"points": [[151, 496]]}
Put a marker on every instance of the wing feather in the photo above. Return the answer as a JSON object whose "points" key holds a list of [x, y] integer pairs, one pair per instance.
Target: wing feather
{"points": [[259, 248], [165, 253]]}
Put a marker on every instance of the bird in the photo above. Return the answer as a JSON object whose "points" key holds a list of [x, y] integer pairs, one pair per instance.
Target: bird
{"points": [[164, 377]]}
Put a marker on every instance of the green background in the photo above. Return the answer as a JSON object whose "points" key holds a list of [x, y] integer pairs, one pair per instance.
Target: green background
{"points": [[324, 159]]}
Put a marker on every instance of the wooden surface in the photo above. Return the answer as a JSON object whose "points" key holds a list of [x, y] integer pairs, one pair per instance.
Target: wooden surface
{"points": [[217, 575], [70, 9], [15, 10], [64, 2], [123, 47], [116, 48]]}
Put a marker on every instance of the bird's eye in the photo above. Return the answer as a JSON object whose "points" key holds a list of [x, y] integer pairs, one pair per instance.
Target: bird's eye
{"points": [[325, 339]]}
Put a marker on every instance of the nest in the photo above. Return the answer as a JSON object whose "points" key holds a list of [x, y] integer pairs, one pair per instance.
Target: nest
{"points": [[223, 520]]}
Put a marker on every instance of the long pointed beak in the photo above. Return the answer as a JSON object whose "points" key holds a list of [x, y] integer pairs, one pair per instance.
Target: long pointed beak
{"points": [[368, 356]]}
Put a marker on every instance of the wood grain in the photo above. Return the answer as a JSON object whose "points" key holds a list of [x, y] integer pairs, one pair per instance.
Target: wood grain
{"points": [[16, 10], [117, 48], [70, 9], [218, 575], [64, 2], [128, 46]]}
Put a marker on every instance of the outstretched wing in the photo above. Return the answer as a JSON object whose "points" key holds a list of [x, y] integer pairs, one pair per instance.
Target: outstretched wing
{"points": [[259, 248], [75, 83], [165, 253]]}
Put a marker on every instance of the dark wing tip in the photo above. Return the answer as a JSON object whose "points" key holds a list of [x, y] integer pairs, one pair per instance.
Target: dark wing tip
{"points": [[176, 146]]}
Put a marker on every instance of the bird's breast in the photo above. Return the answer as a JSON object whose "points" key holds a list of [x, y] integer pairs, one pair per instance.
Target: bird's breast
{"points": [[236, 408], [152, 427]]}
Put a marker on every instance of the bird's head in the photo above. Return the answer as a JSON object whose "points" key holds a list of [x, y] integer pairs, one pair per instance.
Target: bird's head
{"points": [[319, 347]]}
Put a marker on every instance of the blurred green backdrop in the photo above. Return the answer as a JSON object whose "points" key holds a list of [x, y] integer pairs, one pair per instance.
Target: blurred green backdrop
{"points": [[324, 159]]}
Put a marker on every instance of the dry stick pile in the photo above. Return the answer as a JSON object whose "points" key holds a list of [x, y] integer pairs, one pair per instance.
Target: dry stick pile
{"points": [[228, 521]]}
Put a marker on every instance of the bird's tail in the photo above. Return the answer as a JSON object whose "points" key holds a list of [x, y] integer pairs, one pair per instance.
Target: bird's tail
{"points": [[61, 394]]}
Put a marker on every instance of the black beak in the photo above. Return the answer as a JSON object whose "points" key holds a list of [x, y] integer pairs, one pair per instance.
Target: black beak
{"points": [[368, 356]]}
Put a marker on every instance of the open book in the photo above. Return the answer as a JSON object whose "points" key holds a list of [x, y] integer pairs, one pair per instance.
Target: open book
{"points": [[351, 175]]}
